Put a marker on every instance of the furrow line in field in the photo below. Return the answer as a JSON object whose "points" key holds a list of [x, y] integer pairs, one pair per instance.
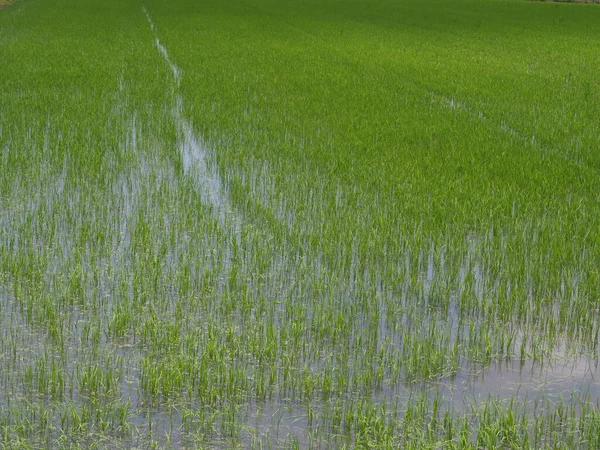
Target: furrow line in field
{"points": [[195, 154], [478, 114], [162, 49]]}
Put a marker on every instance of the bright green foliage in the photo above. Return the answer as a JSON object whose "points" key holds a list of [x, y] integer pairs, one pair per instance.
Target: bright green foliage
{"points": [[299, 224]]}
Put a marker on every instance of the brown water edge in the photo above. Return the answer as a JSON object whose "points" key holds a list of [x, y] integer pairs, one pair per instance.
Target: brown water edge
{"points": [[6, 3]]}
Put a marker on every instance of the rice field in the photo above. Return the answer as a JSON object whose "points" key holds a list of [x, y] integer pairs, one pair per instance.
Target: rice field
{"points": [[299, 224]]}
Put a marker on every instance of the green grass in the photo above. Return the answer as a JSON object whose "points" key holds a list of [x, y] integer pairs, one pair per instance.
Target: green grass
{"points": [[299, 224]]}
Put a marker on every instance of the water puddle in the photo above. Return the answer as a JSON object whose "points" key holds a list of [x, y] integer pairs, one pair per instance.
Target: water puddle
{"points": [[526, 379]]}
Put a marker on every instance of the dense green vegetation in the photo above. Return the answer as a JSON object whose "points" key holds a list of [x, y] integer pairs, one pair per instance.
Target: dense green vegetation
{"points": [[299, 224]]}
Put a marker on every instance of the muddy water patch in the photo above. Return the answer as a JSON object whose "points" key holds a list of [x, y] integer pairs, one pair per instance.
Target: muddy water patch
{"points": [[7, 3]]}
